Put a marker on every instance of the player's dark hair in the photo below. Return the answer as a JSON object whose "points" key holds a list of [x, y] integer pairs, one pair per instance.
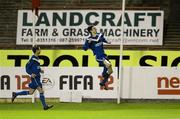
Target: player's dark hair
{"points": [[90, 28], [35, 48]]}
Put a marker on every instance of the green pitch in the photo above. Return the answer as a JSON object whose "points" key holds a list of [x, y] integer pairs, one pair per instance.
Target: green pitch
{"points": [[91, 110]]}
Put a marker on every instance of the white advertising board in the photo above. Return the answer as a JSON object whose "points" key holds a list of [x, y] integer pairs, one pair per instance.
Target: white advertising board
{"points": [[68, 27]]}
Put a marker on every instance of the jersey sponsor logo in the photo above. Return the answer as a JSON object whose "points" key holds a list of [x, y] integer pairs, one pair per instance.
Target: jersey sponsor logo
{"points": [[99, 44]]}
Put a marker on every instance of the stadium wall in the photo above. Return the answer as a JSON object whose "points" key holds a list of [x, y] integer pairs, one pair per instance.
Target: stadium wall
{"points": [[146, 74], [137, 83]]}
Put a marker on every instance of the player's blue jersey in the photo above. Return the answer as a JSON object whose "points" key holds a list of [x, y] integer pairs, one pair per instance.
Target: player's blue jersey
{"points": [[33, 66], [96, 45]]}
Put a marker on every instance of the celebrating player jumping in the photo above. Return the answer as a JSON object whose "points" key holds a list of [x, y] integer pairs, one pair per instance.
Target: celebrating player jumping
{"points": [[95, 43]]}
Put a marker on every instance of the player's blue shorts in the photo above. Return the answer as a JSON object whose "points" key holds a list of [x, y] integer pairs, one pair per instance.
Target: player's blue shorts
{"points": [[35, 82], [101, 58]]}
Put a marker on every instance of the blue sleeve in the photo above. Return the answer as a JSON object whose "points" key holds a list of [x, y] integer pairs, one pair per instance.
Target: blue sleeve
{"points": [[86, 45], [103, 39], [29, 67]]}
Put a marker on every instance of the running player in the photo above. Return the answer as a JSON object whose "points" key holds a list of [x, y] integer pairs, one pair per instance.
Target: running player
{"points": [[33, 69]]}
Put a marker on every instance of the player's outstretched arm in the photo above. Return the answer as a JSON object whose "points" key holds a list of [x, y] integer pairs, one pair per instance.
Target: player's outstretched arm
{"points": [[105, 40], [86, 45]]}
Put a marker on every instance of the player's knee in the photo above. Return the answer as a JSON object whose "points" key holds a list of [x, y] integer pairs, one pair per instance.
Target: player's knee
{"points": [[31, 92], [107, 63], [41, 91], [108, 66], [110, 71]]}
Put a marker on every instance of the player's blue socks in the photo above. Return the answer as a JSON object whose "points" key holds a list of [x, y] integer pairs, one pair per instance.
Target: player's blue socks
{"points": [[42, 98], [22, 93], [106, 76]]}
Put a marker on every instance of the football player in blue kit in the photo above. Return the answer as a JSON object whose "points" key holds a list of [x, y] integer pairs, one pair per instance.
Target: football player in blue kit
{"points": [[34, 70], [95, 43]]}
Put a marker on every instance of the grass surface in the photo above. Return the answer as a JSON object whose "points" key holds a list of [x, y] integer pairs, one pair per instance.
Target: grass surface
{"points": [[91, 110]]}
